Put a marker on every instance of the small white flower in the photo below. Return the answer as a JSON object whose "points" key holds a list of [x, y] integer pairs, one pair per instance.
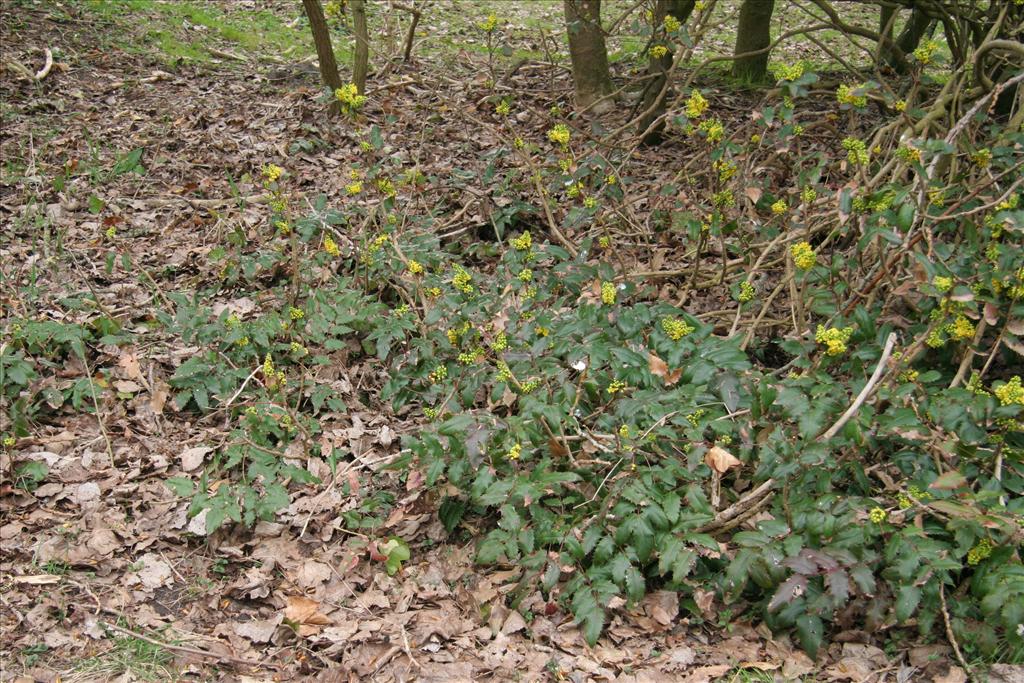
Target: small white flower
{"points": [[1020, 630], [622, 286], [579, 365]]}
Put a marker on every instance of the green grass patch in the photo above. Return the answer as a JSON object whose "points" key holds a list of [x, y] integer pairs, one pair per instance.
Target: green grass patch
{"points": [[182, 31]]}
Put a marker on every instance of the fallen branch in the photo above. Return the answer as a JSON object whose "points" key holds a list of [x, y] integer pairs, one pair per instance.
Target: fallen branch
{"points": [[45, 71], [864, 393], [739, 510]]}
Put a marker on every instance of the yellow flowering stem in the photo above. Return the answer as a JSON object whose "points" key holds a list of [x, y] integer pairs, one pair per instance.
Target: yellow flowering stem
{"points": [[969, 352], [542, 194], [869, 387]]}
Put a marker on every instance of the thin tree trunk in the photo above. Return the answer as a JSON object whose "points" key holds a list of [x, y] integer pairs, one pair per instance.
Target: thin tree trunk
{"points": [[322, 40], [361, 56], [753, 33], [588, 53], [657, 68]]}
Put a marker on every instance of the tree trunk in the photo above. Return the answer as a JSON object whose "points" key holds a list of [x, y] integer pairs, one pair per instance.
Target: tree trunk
{"points": [[657, 67], [753, 33], [588, 53], [361, 56], [322, 40]]}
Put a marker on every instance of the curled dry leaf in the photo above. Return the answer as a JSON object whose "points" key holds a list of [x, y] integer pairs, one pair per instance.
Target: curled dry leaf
{"points": [[721, 460], [302, 610], [659, 368]]}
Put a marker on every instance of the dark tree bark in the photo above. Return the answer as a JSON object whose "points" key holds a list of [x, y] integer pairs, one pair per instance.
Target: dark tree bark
{"points": [[322, 40], [587, 51], [753, 33], [657, 67], [361, 55]]}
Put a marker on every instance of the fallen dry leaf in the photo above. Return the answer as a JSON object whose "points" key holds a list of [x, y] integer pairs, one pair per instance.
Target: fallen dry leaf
{"points": [[721, 460], [659, 368], [192, 458]]}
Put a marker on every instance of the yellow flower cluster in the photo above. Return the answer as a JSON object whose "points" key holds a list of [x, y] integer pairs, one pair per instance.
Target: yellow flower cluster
{"points": [[856, 151], [908, 154], [942, 283], [834, 338], [503, 108], [525, 275], [925, 52], [271, 377], [504, 371], [694, 417], [401, 310], [671, 24], [515, 451], [900, 105], [723, 199], [462, 279], [354, 187], [415, 267], [847, 95], [608, 293], [779, 208], [474, 356], [378, 242], [746, 292], [560, 134], [334, 8], [961, 328], [272, 172], [803, 255], [982, 157], [438, 374], [523, 242], [696, 105], [616, 386], [789, 72], [909, 376], [296, 313], [385, 186], [980, 552], [659, 51], [878, 515], [489, 24], [350, 99], [331, 247], [1010, 393], [808, 195], [725, 169], [500, 342], [675, 328], [713, 129]]}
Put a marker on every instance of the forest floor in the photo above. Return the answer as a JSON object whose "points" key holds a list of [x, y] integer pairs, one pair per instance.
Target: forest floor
{"points": [[103, 575]]}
